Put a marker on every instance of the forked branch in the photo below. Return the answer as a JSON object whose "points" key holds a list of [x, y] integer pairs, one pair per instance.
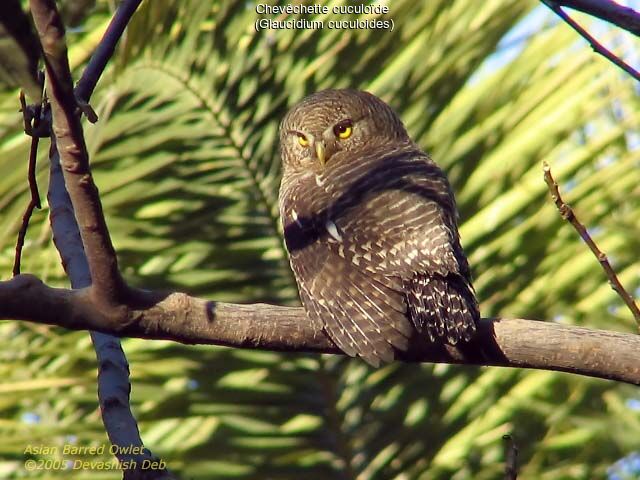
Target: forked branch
{"points": [[107, 283], [99, 262]]}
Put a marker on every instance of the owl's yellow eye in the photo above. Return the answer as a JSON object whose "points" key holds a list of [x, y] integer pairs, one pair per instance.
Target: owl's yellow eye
{"points": [[302, 140], [343, 130]]}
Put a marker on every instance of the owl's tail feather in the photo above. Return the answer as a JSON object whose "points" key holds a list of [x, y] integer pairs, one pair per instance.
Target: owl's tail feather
{"points": [[444, 307]]}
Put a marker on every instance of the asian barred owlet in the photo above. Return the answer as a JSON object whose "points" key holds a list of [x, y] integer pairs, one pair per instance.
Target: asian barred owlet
{"points": [[370, 226]]}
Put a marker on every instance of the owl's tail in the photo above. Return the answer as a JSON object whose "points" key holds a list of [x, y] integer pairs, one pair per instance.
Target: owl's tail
{"points": [[444, 307]]}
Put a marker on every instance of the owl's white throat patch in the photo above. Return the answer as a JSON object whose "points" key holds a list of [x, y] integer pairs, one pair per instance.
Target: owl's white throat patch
{"points": [[333, 230], [294, 215]]}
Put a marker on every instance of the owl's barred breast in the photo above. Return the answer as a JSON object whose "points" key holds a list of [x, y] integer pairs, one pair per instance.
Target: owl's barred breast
{"points": [[374, 246]]}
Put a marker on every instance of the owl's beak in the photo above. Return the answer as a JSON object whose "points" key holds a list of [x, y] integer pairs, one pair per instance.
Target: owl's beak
{"points": [[320, 153]]}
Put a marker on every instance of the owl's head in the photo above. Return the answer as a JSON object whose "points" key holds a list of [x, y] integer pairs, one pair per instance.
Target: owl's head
{"points": [[324, 125]]}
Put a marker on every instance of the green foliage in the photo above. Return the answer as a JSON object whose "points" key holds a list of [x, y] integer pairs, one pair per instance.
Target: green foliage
{"points": [[185, 156]]}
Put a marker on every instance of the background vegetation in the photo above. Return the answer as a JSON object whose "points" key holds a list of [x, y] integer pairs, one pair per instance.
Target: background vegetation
{"points": [[185, 156]]}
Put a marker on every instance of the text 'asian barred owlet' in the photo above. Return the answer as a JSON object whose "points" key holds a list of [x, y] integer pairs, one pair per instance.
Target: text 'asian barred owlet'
{"points": [[370, 226]]}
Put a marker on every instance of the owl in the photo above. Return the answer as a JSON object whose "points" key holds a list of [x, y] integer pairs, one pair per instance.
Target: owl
{"points": [[370, 224]]}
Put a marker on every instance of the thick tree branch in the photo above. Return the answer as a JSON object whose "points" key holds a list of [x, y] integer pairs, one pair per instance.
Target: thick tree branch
{"points": [[107, 283], [179, 317], [113, 370]]}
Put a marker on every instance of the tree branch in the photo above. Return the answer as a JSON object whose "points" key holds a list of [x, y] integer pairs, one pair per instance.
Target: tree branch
{"points": [[605, 8], [181, 318], [113, 370], [105, 49], [106, 281], [31, 126], [612, 12], [568, 214]]}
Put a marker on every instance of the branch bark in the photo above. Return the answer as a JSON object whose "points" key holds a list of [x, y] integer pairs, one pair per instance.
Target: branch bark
{"points": [[176, 316], [74, 159], [113, 370]]}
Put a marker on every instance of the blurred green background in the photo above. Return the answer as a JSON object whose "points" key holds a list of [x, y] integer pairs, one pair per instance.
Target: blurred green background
{"points": [[185, 156]]}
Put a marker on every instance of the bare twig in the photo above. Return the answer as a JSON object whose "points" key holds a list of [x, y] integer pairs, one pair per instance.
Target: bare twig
{"points": [[181, 318], [595, 45], [511, 458], [31, 172], [568, 214], [31, 126], [612, 12], [34, 202]]}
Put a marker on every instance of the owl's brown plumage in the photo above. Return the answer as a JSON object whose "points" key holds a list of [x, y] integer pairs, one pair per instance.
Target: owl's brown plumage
{"points": [[370, 226]]}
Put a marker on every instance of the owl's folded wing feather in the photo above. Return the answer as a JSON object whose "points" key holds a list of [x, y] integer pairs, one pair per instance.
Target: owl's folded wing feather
{"points": [[397, 217], [362, 316], [398, 222]]}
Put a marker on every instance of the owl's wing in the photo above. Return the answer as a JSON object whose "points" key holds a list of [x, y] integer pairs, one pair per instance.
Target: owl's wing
{"points": [[396, 217], [361, 315], [398, 220]]}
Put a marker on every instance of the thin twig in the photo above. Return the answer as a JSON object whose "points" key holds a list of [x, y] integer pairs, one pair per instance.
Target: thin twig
{"points": [[27, 116], [511, 458], [34, 202], [608, 10], [31, 126], [568, 214], [595, 45]]}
